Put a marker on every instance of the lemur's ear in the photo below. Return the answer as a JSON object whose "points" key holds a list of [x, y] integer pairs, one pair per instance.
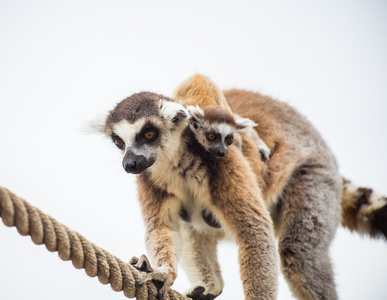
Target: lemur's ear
{"points": [[97, 125], [243, 123], [196, 115], [172, 111]]}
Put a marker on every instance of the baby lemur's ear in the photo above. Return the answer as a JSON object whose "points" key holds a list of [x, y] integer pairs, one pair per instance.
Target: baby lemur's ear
{"points": [[196, 116], [243, 123], [172, 111]]}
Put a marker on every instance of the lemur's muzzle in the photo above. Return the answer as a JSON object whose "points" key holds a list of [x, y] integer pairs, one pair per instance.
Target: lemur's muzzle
{"points": [[135, 164], [218, 150]]}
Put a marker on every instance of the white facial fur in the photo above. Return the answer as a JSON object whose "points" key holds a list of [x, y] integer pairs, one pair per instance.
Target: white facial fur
{"points": [[169, 110], [204, 127], [127, 132], [171, 122], [224, 129]]}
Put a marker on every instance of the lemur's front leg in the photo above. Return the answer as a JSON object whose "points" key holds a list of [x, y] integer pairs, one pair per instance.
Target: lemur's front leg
{"points": [[159, 238], [258, 256], [160, 248], [238, 203], [199, 260]]}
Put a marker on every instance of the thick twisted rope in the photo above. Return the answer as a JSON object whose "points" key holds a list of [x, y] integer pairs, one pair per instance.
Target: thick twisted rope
{"points": [[70, 245]]}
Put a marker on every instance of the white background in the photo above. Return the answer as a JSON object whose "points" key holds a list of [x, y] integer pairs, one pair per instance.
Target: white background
{"points": [[64, 62]]}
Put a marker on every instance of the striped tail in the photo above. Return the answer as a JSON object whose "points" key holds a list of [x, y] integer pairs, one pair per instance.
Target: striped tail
{"points": [[363, 210]]}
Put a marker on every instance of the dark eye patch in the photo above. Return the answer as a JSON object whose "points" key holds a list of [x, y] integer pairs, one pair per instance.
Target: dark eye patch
{"points": [[216, 136], [118, 141], [229, 139], [149, 130]]}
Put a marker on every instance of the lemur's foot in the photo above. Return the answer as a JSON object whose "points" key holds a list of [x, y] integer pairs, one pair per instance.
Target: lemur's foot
{"points": [[264, 154], [160, 278], [198, 294]]}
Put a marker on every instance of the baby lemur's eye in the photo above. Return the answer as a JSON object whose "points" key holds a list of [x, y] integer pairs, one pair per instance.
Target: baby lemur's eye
{"points": [[230, 140], [149, 134], [211, 136]]}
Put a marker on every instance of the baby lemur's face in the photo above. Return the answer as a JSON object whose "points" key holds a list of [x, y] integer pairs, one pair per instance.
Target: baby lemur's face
{"points": [[214, 128], [142, 126]]}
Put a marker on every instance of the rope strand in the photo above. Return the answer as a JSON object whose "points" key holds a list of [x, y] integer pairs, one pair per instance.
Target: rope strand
{"points": [[70, 245]]}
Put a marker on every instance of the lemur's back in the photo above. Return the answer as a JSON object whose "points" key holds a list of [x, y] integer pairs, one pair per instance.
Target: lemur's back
{"points": [[292, 140]]}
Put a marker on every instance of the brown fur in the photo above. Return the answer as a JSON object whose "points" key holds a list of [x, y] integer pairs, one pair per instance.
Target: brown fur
{"points": [[141, 104], [237, 204], [213, 114], [284, 158], [271, 115], [154, 204], [230, 194], [300, 167], [238, 201], [206, 93], [258, 167]]}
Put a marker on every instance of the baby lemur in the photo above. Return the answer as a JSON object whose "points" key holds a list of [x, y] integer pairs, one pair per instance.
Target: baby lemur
{"points": [[191, 199], [207, 96], [215, 129]]}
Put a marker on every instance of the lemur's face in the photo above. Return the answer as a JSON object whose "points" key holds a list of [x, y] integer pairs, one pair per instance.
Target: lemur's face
{"points": [[216, 138], [142, 126], [214, 128]]}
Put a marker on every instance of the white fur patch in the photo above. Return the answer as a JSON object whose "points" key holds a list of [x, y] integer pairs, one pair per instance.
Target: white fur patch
{"points": [[127, 132], [199, 260], [377, 201], [195, 111], [169, 109], [225, 129], [244, 123]]}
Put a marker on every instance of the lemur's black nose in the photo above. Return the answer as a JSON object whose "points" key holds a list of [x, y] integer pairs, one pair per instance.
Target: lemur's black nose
{"points": [[130, 166], [221, 153]]}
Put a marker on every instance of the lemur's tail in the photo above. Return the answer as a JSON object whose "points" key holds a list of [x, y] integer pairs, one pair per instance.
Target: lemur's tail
{"points": [[363, 210]]}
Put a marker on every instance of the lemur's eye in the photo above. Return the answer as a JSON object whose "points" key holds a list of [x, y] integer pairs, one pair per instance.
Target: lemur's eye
{"points": [[119, 143], [230, 140], [211, 136], [149, 135]]}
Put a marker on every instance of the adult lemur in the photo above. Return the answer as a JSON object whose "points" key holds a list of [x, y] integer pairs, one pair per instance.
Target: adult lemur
{"points": [[190, 199], [190, 195]]}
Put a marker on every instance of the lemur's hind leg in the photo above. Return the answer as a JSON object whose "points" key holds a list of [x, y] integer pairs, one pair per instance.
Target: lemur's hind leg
{"points": [[199, 260], [309, 217]]}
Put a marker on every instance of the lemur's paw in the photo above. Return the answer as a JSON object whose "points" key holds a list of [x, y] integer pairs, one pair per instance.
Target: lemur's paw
{"points": [[198, 294], [141, 264], [264, 154], [161, 279]]}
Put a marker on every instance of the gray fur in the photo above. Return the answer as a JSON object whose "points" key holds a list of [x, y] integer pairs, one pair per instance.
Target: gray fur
{"points": [[309, 219]]}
